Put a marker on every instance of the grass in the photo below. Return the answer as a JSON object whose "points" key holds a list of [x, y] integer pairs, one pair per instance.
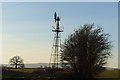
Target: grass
{"points": [[26, 70], [109, 74], [21, 73], [104, 74]]}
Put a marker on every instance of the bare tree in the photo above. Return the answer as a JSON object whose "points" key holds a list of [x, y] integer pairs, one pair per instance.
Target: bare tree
{"points": [[17, 61], [86, 50]]}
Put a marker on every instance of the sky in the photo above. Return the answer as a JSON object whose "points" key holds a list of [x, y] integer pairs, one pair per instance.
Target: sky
{"points": [[27, 27], [59, 0]]}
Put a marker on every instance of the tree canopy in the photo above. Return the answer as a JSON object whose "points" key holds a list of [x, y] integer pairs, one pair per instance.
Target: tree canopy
{"points": [[87, 50], [17, 61]]}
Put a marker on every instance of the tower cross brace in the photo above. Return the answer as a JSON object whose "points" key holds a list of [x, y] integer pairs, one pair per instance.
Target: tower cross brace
{"points": [[55, 54]]}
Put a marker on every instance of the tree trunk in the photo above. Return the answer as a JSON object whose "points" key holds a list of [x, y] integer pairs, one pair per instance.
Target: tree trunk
{"points": [[15, 66]]}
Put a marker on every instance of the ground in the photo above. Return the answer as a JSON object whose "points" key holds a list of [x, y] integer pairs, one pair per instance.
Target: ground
{"points": [[42, 74]]}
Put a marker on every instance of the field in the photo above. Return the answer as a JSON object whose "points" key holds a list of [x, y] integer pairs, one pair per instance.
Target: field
{"points": [[24, 74], [109, 74]]}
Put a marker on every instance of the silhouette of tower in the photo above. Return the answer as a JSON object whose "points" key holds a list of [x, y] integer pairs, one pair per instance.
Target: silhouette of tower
{"points": [[55, 56]]}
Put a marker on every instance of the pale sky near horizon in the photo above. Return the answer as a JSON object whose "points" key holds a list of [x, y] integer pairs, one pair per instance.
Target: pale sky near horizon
{"points": [[27, 27]]}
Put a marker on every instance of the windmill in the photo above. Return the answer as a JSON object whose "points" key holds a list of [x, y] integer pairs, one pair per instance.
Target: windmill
{"points": [[55, 54]]}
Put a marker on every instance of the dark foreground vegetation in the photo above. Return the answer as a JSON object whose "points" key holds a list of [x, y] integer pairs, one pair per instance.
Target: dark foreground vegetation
{"points": [[49, 74]]}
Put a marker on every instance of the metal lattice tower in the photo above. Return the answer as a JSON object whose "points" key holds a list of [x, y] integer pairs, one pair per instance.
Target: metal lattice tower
{"points": [[55, 54]]}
